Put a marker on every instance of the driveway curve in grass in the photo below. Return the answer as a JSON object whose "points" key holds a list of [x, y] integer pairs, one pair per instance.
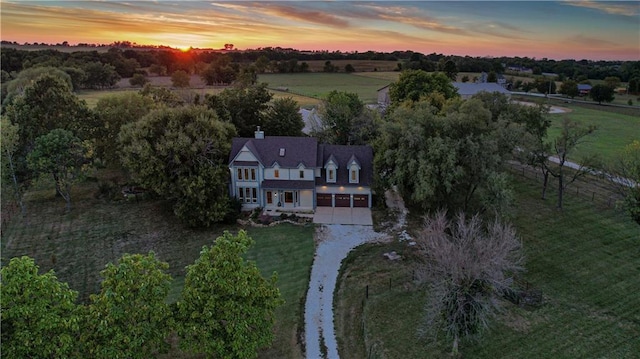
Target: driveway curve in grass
{"points": [[335, 241]]}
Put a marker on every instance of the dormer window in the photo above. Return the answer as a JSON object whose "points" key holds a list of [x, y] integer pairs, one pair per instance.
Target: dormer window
{"points": [[331, 168], [354, 170], [276, 173]]}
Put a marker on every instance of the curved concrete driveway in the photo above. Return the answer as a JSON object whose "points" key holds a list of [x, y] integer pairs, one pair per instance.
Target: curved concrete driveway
{"points": [[335, 242]]}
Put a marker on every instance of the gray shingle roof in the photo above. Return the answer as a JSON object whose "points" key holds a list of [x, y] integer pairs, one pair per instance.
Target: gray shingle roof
{"points": [[297, 150], [343, 155], [470, 88]]}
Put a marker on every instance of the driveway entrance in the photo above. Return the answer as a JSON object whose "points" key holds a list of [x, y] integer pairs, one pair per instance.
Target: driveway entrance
{"points": [[343, 215]]}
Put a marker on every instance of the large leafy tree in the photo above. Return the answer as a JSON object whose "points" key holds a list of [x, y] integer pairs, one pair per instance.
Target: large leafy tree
{"points": [[100, 75], [469, 266], [283, 118], [28, 76], [220, 71], [338, 112], [129, 318], [180, 79], [181, 154], [40, 318], [243, 106], [227, 307], [442, 161], [414, 85], [48, 103], [62, 155], [569, 88], [114, 111], [601, 93]]}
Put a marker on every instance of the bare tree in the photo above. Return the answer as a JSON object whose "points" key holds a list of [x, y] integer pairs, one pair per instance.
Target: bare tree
{"points": [[469, 267], [571, 136]]}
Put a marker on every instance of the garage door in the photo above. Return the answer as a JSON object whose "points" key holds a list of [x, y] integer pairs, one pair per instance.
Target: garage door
{"points": [[323, 200], [361, 200], [343, 200]]}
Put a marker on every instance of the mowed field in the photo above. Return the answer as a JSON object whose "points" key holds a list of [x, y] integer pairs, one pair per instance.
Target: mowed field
{"points": [[318, 85], [78, 245], [584, 261], [613, 131]]}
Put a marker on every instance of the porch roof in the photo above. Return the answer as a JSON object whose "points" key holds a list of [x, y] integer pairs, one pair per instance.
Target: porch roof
{"points": [[280, 184]]}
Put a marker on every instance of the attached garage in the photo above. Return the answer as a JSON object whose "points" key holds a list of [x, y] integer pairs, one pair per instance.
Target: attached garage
{"points": [[323, 200], [361, 200], [343, 200]]}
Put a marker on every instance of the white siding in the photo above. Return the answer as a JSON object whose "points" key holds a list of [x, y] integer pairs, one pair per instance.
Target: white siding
{"points": [[306, 198], [245, 155]]}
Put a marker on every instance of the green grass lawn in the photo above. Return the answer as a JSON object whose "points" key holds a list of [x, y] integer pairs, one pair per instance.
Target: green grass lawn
{"points": [[585, 260], [79, 245], [614, 131], [318, 85]]}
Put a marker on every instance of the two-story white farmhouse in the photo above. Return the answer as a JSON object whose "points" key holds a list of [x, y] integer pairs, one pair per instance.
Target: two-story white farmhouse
{"points": [[298, 174]]}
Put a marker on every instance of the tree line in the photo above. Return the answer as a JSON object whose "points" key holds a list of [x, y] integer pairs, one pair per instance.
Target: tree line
{"points": [[128, 60]]}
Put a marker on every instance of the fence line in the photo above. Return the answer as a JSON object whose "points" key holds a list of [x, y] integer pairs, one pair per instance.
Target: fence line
{"points": [[600, 195]]}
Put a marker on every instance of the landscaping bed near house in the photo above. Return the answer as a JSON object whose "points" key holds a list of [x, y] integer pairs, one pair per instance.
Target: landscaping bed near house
{"points": [[584, 261]]}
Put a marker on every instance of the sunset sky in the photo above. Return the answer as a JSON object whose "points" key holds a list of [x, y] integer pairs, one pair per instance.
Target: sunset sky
{"points": [[603, 30]]}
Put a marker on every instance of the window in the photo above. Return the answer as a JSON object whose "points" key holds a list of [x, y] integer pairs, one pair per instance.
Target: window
{"points": [[355, 174], [301, 174], [276, 173], [248, 194], [330, 175], [246, 174]]}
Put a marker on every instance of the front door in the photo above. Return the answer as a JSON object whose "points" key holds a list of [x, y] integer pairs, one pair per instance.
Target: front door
{"points": [[288, 198]]}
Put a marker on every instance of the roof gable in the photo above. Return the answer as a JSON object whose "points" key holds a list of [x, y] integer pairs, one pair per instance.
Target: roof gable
{"points": [[297, 150]]}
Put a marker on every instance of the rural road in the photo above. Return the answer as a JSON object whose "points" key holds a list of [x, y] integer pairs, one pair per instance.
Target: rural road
{"points": [[335, 241], [619, 180]]}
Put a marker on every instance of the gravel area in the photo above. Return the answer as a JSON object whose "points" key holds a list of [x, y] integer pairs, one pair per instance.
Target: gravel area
{"points": [[335, 241]]}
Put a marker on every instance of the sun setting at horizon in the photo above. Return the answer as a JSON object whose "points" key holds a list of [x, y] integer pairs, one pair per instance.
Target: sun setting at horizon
{"points": [[556, 30]]}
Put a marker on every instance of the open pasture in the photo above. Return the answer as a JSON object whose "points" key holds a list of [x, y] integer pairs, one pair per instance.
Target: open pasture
{"points": [[358, 65], [318, 85], [584, 261], [614, 131]]}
